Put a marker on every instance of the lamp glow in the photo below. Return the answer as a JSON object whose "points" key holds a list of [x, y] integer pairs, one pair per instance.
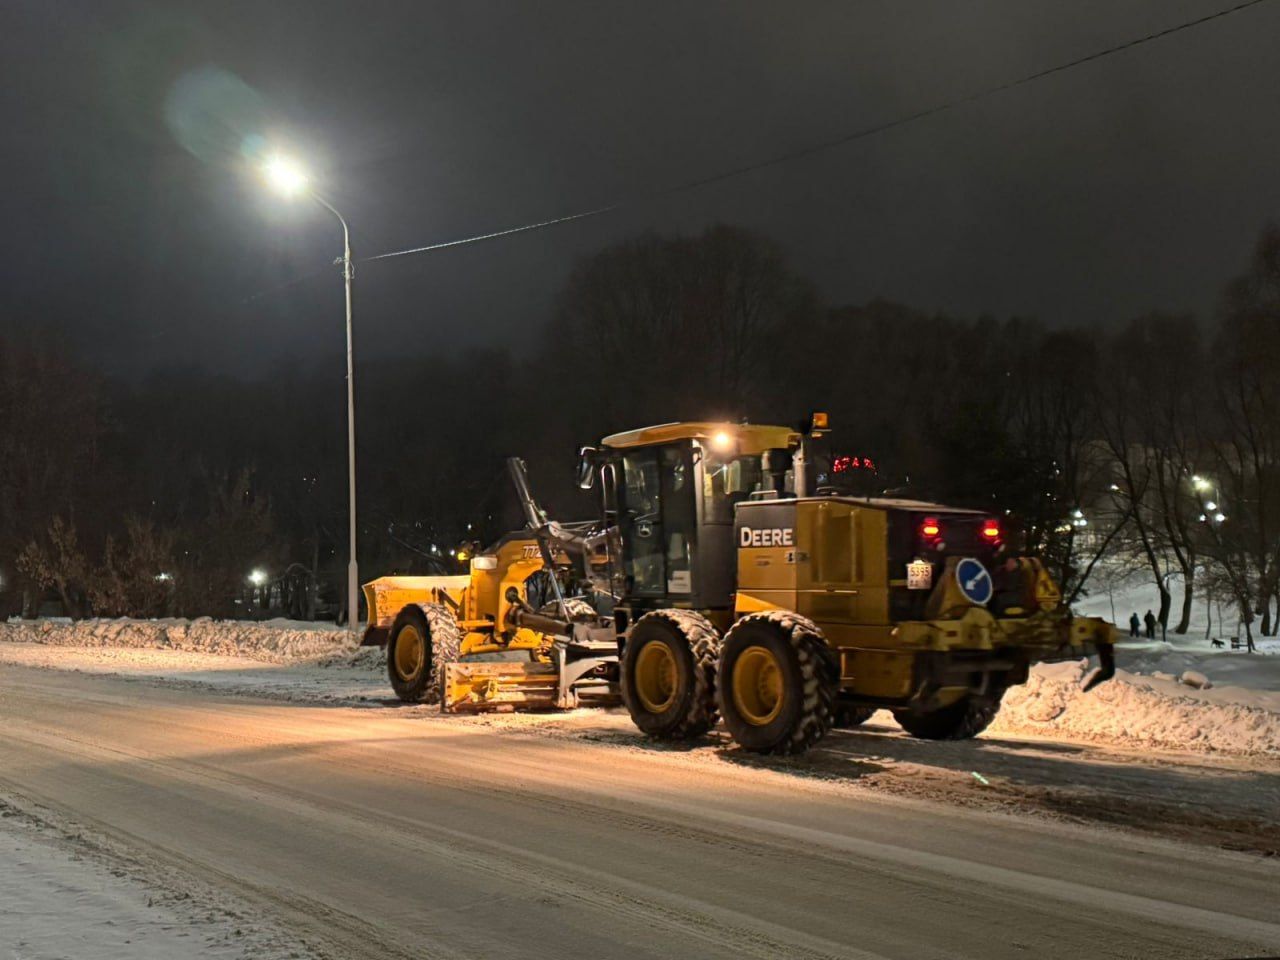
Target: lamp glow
{"points": [[286, 176], [258, 577], [722, 441]]}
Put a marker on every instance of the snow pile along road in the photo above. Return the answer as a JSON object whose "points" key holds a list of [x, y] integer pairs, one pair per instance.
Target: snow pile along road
{"points": [[1141, 711], [1239, 713], [271, 641]]}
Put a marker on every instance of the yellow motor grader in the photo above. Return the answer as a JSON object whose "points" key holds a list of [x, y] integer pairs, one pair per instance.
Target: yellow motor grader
{"points": [[742, 587]]}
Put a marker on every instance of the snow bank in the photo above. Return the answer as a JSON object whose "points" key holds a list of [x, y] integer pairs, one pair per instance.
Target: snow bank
{"points": [[1238, 713], [271, 641], [1141, 711]]}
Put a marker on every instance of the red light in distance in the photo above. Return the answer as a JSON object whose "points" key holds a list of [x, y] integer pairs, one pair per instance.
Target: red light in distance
{"points": [[930, 528]]}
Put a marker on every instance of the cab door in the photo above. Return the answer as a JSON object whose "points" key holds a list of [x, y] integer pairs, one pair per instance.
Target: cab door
{"points": [[657, 516]]}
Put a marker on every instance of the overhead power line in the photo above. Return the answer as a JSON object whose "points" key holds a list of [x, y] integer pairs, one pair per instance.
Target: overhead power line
{"points": [[802, 152], [495, 234], [960, 101], [839, 141]]}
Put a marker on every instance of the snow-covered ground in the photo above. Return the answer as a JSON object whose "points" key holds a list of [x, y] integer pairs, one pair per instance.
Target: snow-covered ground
{"points": [[62, 896], [1115, 594], [1146, 705]]}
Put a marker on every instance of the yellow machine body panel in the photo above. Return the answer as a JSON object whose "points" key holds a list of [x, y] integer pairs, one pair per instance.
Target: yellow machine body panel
{"points": [[827, 564], [478, 600], [387, 596], [828, 559]]}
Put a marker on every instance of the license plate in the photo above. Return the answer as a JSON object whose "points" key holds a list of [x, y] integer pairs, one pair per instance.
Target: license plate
{"points": [[919, 575]]}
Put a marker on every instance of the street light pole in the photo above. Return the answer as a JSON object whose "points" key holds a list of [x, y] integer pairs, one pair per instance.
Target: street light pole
{"points": [[291, 180], [348, 271]]}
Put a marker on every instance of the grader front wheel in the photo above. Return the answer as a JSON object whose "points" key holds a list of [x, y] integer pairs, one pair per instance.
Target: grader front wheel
{"points": [[422, 640], [669, 674], [778, 683]]}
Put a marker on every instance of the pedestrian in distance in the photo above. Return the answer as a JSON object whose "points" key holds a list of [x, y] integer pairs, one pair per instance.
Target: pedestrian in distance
{"points": [[1150, 621], [1133, 624]]}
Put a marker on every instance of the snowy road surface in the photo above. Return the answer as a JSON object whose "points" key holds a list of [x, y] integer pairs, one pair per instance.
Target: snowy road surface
{"points": [[376, 832]]}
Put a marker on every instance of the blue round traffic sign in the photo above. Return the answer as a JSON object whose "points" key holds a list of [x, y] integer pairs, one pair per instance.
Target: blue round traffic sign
{"points": [[974, 581]]}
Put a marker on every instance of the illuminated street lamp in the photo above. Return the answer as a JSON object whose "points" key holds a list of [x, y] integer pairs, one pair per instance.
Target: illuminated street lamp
{"points": [[258, 577], [290, 179], [285, 175]]}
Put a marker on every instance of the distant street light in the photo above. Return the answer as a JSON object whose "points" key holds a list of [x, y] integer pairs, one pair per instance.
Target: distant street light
{"points": [[1200, 483], [258, 577], [290, 179]]}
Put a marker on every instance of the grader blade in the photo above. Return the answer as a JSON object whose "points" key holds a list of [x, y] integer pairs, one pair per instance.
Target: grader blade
{"points": [[480, 687]]}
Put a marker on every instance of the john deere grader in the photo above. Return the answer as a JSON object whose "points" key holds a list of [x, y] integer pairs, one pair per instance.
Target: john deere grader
{"points": [[726, 581]]}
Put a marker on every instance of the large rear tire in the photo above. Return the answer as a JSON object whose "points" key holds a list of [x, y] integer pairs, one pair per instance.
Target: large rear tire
{"points": [[962, 720], [669, 674], [423, 639], [778, 683]]}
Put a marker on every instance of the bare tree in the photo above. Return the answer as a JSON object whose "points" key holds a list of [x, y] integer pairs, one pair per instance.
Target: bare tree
{"points": [[1245, 437], [57, 561], [676, 327], [135, 579]]}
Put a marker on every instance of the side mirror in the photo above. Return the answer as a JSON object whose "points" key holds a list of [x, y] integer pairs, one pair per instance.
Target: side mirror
{"points": [[586, 467]]}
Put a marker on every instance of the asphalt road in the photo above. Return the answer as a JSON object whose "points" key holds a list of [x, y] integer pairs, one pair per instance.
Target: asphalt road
{"points": [[383, 833]]}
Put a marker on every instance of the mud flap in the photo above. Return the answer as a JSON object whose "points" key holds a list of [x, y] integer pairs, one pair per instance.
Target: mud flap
{"points": [[1104, 671]]}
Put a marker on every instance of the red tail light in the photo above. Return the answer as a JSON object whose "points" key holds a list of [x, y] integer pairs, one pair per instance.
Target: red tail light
{"points": [[991, 530], [930, 528]]}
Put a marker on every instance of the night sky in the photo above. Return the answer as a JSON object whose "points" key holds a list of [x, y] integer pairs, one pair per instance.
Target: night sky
{"points": [[133, 228]]}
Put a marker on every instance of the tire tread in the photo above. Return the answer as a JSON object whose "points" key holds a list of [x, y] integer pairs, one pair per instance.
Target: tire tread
{"points": [[820, 678], [703, 640]]}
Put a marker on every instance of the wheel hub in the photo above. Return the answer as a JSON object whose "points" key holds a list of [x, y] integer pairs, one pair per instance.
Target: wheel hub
{"points": [[656, 677], [411, 652], [757, 686]]}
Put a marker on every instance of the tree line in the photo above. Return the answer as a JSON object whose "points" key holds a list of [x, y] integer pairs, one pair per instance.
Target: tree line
{"points": [[1150, 448]]}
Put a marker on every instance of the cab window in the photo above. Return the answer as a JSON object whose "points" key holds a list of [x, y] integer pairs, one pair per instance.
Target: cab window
{"points": [[727, 482]]}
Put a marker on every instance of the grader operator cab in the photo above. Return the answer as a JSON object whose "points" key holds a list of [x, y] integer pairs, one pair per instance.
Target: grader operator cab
{"points": [[737, 588]]}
